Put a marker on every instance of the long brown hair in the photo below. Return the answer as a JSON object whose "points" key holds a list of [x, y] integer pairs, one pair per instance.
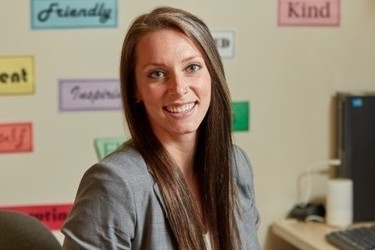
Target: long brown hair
{"points": [[213, 157]]}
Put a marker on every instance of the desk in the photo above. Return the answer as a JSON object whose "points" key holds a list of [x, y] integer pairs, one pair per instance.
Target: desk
{"points": [[305, 236]]}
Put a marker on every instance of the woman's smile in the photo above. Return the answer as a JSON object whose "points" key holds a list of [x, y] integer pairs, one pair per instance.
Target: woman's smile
{"points": [[180, 109]]}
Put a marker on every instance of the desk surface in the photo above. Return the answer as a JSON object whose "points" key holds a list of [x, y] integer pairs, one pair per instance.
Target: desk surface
{"points": [[305, 236]]}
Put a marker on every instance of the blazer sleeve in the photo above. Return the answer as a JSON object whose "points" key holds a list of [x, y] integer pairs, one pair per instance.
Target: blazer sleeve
{"points": [[248, 219], [103, 215]]}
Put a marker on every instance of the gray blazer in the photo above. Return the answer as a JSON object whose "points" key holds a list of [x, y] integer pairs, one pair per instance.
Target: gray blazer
{"points": [[119, 206]]}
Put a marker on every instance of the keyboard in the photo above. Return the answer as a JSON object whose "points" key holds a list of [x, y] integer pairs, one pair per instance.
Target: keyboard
{"points": [[357, 238]]}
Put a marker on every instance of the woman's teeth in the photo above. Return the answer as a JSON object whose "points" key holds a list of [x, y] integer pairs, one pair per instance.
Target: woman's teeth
{"points": [[181, 109]]}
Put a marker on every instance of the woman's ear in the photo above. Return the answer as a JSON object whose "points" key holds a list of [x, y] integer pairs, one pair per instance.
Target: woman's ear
{"points": [[137, 97]]}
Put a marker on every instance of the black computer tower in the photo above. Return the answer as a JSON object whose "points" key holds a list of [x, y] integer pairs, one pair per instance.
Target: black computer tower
{"points": [[356, 150]]}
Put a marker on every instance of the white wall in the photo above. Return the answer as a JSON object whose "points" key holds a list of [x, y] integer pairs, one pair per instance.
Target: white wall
{"points": [[288, 74]]}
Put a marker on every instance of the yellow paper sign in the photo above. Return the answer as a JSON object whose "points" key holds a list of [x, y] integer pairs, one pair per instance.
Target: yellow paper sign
{"points": [[17, 75]]}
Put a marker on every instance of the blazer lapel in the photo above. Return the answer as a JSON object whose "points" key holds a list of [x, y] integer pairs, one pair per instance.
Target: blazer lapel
{"points": [[160, 198]]}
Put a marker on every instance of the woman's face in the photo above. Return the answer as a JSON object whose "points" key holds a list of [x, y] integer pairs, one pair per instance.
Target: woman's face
{"points": [[173, 82]]}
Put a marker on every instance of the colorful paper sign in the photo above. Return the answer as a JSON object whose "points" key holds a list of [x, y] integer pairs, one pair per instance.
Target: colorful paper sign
{"points": [[240, 111], [309, 12], [17, 75], [224, 43], [49, 14], [105, 146], [15, 137], [52, 216], [89, 94]]}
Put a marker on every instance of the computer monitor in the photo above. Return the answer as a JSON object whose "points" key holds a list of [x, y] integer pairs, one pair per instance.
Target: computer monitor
{"points": [[356, 149]]}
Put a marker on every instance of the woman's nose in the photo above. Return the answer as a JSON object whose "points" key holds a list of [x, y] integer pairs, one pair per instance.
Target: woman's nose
{"points": [[178, 85]]}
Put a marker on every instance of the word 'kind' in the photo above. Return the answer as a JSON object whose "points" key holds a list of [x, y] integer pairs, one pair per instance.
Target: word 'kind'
{"points": [[307, 12]]}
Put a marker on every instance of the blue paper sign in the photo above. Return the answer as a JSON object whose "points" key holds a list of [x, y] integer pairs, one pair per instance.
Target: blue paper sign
{"points": [[48, 14]]}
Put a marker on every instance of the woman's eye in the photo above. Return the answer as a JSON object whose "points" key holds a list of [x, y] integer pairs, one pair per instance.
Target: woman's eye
{"points": [[193, 67], [157, 74]]}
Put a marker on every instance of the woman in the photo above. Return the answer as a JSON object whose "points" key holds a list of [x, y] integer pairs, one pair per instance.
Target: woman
{"points": [[179, 183]]}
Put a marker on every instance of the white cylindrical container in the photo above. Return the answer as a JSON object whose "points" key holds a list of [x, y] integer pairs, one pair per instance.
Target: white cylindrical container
{"points": [[339, 212]]}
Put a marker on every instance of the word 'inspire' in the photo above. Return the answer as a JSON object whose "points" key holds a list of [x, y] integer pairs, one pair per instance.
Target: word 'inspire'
{"points": [[89, 94], [94, 95]]}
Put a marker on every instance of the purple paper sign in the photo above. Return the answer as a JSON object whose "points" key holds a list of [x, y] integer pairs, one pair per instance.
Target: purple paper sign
{"points": [[309, 12], [89, 94]]}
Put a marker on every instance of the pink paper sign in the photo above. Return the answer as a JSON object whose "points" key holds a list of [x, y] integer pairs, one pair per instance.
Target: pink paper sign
{"points": [[309, 13], [52, 216], [15, 137]]}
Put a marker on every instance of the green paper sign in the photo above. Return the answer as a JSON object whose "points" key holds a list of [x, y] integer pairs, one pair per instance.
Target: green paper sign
{"points": [[105, 146], [240, 112]]}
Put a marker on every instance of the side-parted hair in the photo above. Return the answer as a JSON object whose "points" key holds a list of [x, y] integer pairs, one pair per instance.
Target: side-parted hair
{"points": [[213, 156]]}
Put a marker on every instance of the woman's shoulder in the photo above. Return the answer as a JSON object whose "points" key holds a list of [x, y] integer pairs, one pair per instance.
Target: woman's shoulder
{"points": [[124, 168], [241, 162], [126, 160]]}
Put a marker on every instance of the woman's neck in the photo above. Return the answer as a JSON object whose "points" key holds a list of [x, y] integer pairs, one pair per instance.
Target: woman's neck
{"points": [[182, 150]]}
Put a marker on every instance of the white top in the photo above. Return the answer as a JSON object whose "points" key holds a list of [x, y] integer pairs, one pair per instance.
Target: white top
{"points": [[207, 241]]}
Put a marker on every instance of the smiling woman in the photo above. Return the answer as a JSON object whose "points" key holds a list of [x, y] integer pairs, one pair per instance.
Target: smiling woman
{"points": [[180, 182], [173, 83]]}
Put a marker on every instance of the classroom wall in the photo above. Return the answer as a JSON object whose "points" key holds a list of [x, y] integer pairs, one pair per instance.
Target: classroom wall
{"points": [[287, 74]]}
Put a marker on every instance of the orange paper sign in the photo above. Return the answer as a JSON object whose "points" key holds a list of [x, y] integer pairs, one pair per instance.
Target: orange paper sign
{"points": [[15, 137], [52, 216]]}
